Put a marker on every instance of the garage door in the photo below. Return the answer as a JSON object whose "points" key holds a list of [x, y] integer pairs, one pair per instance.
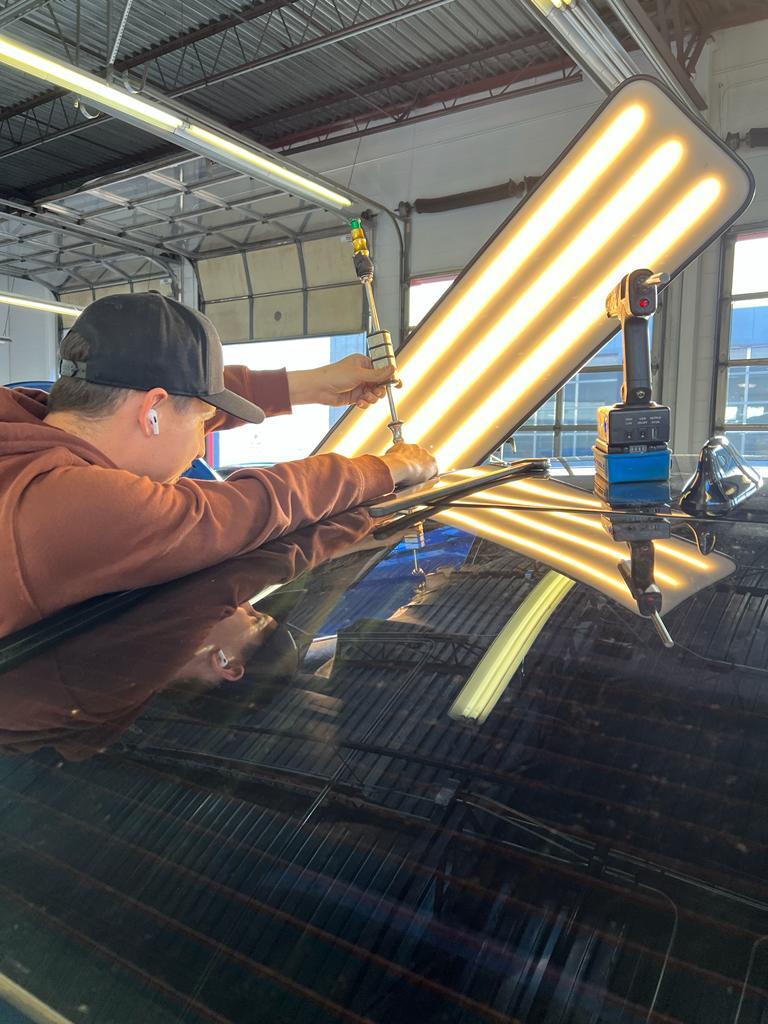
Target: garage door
{"points": [[299, 290]]}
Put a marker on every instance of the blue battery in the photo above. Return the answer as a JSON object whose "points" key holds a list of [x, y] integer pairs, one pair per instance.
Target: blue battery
{"points": [[632, 467]]}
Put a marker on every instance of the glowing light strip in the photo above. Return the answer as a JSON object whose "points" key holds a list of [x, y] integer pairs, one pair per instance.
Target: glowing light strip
{"points": [[36, 64], [548, 554], [481, 692], [221, 143], [604, 226], [565, 197], [164, 122], [45, 307], [567, 334]]}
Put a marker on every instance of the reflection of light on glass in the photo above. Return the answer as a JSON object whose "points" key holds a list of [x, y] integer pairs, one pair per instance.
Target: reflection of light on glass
{"points": [[530, 310], [576, 543], [498, 665]]}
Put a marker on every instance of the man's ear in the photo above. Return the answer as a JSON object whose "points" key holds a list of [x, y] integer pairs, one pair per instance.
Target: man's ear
{"points": [[232, 671], [147, 407]]}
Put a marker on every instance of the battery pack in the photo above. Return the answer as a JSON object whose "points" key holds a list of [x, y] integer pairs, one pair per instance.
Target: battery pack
{"points": [[645, 494], [629, 467]]}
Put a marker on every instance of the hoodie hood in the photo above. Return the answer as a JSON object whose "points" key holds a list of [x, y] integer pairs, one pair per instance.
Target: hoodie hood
{"points": [[23, 430]]}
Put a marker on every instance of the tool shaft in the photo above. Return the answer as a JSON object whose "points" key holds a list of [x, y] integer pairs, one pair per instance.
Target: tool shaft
{"points": [[395, 426], [368, 285]]}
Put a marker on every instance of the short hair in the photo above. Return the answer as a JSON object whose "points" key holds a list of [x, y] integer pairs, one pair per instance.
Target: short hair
{"points": [[96, 401]]}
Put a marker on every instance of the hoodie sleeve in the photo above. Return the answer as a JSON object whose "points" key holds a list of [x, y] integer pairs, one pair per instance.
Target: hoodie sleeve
{"points": [[113, 530], [267, 388]]}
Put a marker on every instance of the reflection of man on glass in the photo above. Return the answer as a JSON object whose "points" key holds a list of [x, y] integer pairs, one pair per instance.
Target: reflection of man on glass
{"points": [[193, 635], [92, 499]]}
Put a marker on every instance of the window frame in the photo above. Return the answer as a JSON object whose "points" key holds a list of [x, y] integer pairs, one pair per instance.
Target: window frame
{"points": [[559, 427], [723, 361]]}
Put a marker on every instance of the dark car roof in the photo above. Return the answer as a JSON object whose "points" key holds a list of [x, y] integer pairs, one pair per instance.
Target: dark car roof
{"points": [[335, 838]]}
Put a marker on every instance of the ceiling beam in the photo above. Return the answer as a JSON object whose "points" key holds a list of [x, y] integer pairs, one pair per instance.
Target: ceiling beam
{"points": [[19, 9], [246, 14]]}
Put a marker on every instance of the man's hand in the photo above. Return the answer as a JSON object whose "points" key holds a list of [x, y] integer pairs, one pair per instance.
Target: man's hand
{"points": [[351, 381], [410, 464]]}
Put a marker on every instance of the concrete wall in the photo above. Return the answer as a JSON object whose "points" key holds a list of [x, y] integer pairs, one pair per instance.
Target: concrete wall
{"points": [[31, 353]]}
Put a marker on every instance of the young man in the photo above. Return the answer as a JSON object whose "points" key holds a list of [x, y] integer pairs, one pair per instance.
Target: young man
{"points": [[91, 499]]}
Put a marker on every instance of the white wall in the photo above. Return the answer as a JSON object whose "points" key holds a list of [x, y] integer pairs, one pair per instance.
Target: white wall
{"points": [[456, 153], [31, 355]]}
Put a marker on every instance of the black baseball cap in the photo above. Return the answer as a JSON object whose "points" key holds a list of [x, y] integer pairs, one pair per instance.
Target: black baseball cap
{"points": [[146, 340]]}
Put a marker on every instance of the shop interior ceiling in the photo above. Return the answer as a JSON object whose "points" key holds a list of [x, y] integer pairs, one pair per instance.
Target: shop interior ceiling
{"points": [[87, 201]]}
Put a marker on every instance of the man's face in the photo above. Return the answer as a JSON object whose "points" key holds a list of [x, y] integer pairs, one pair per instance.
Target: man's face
{"points": [[181, 439]]}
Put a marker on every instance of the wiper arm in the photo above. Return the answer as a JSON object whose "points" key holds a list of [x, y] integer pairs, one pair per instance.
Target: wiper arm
{"points": [[415, 504]]}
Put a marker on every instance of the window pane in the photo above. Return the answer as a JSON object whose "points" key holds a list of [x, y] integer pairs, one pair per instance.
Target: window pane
{"points": [[749, 329], [610, 354], [747, 400], [535, 444], [753, 443], [750, 265], [586, 392], [422, 295], [284, 437], [544, 415], [576, 442]]}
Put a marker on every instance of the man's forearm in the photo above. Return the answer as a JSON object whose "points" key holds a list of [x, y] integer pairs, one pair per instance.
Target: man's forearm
{"points": [[302, 386]]}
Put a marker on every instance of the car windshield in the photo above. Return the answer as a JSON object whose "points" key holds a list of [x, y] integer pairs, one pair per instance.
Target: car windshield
{"points": [[460, 778]]}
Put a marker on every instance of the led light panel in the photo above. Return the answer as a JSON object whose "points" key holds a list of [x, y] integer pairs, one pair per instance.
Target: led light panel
{"points": [[575, 543], [644, 185]]}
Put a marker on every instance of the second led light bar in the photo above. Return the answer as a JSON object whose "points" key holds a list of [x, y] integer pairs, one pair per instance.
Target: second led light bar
{"points": [[643, 185]]}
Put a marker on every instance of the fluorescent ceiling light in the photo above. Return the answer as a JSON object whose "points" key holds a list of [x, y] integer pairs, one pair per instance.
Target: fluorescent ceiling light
{"points": [[40, 66], [644, 184], [45, 307], [255, 162], [482, 691], [575, 543], [240, 156]]}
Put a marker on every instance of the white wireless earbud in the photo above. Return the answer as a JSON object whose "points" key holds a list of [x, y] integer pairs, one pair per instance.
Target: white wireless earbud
{"points": [[152, 421], [222, 658]]}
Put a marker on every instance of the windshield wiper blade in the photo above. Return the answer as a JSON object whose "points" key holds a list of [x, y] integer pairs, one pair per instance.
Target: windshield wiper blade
{"points": [[412, 506]]}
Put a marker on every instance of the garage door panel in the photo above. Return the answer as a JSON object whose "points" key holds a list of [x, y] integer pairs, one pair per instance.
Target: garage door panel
{"points": [[274, 270], [231, 319], [335, 310], [278, 316]]}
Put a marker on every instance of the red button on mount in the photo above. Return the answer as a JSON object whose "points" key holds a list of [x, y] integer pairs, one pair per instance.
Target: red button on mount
{"points": [[645, 303]]}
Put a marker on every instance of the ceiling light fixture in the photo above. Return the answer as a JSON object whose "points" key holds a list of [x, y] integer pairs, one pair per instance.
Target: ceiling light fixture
{"points": [[240, 155], [61, 308]]}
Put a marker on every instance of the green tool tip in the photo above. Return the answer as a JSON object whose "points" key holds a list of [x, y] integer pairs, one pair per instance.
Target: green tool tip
{"points": [[355, 223]]}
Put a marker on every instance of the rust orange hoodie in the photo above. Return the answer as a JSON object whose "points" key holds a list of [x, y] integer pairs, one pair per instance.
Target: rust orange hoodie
{"points": [[74, 525]]}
